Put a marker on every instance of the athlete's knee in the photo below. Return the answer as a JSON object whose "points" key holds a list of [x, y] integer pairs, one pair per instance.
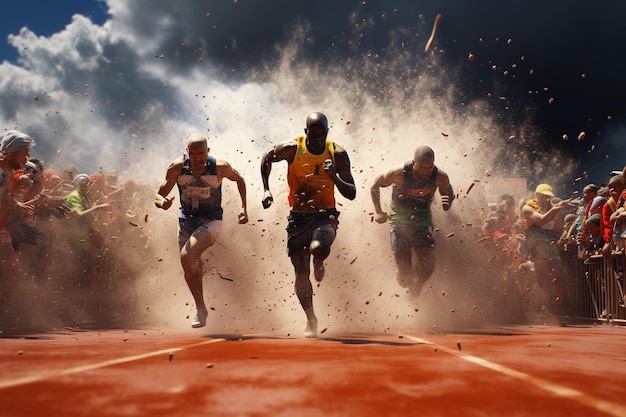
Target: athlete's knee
{"points": [[319, 250]]}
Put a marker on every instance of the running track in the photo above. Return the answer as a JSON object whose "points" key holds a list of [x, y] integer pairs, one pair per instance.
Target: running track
{"points": [[509, 371]]}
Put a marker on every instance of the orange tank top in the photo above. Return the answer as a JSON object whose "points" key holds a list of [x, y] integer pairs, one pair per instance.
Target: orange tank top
{"points": [[311, 189]]}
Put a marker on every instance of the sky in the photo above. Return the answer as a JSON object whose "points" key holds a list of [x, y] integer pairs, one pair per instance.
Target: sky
{"points": [[510, 95]]}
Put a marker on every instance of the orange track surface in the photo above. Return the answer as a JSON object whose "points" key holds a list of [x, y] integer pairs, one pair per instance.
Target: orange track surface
{"points": [[513, 371]]}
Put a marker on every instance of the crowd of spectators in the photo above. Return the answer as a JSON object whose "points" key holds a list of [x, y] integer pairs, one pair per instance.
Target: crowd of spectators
{"points": [[72, 243], [538, 240]]}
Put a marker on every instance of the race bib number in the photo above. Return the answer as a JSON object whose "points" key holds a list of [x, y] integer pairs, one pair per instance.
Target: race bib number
{"points": [[199, 192]]}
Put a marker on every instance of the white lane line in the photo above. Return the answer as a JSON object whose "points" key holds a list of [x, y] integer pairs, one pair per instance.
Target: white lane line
{"points": [[559, 390], [36, 378]]}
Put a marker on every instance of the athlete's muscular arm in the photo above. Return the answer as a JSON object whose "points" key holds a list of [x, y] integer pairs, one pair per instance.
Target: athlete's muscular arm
{"points": [[445, 189], [384, 179], [161, 199], [341, 174], [282, 152], [225, 170]]}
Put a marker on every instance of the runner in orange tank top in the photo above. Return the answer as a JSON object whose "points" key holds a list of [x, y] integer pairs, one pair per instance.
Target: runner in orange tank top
{"points": [[315, 167]]}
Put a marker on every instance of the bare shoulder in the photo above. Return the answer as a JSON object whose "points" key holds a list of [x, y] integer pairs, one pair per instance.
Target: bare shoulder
{"points": [[288, 144], [223, 165], [339, 148], [442, 174], [282, 151], [176, 164], [393, 175]]}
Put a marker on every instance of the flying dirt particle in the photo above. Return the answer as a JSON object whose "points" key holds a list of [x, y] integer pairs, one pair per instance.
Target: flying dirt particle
{"points": [[488, 173], [324, 331], [470, 188], [224, 278], [551, 101], [458, 345], [470, 57], [512, 137], [443, 293], [208, 365], [354, 260], [581, 136], [445, 135], [450, 234], [565, 137], [433, 34], [171, 356], [20, 353]]}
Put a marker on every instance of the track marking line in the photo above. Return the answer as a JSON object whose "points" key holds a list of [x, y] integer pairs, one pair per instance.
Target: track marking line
{"points": [[83, 368], [558, 390]]}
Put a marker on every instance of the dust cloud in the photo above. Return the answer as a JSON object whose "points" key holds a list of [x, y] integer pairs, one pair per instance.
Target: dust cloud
{"points": [[380, 108]]}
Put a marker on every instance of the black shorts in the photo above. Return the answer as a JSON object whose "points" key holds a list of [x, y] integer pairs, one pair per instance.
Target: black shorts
{"points": [[303, 227]]}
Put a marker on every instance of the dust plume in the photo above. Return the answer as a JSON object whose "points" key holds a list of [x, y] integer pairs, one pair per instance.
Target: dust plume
{"points": [[381, 105]]}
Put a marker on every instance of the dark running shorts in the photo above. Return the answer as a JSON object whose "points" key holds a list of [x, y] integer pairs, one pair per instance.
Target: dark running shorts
{"points": [[303, 227]]}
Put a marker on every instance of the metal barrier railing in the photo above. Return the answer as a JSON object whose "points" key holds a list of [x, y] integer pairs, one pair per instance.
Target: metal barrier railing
{"points": [[597, 288]]}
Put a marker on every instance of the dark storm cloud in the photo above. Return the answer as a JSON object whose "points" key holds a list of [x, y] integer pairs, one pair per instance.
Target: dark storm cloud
{"points": [[560, 41]]}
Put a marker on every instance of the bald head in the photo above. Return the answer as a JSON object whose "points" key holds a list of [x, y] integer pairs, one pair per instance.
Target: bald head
{"points": [[423, 153], [196, 139]]}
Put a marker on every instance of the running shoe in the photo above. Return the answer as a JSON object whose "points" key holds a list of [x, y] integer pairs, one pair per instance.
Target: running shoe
{"points": [[311, 329], [200, 319]]}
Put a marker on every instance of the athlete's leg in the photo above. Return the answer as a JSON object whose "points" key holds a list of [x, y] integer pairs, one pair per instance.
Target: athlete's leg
{"points": [[304, 290], [401, 249], [425, 266], [191, 259], [323, 238]]}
